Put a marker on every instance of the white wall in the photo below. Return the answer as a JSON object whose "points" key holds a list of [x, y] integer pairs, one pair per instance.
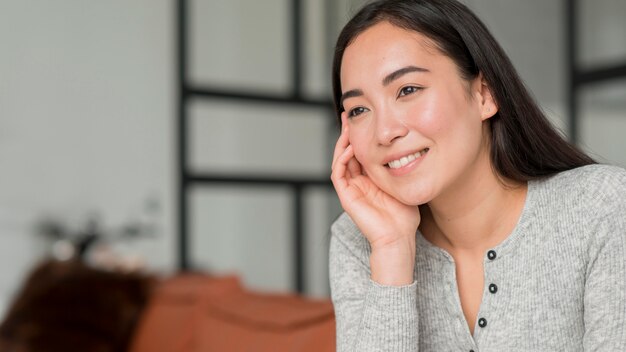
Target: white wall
{"points": [[86, 121]]}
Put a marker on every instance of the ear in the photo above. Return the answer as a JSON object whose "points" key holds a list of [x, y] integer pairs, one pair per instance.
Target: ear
{"points": [[487, 103]]}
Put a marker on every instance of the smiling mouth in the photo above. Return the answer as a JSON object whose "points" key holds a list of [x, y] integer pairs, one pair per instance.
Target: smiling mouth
{"points": [[396, 164]]}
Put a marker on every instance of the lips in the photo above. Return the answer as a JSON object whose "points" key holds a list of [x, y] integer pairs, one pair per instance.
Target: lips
{"points": [[403, 161]]}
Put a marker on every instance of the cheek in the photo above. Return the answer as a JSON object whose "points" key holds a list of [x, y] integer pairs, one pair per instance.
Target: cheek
{"points": [[444, 115], [430, 119], [359, 145]]}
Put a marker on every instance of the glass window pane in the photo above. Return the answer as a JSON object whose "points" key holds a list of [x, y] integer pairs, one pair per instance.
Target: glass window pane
{"points": [[602, 32], [261, 139], [603, 121], [241, 44], [246, 231], [317, 50]]}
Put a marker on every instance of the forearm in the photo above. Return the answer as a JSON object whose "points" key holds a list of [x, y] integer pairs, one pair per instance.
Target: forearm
{"points": [[387, 321], [370, 316]]}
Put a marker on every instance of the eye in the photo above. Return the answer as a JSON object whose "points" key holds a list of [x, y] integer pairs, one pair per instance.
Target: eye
{"points": [[408, 90], [356, 111]]}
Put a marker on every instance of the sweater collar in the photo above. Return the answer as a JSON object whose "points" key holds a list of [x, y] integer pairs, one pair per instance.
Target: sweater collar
{"points": [[503, 248]]}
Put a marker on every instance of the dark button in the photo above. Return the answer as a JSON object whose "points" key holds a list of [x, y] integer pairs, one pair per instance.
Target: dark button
{"points": [[482, 322], [491, 255], [493, 288], [471, 350]]}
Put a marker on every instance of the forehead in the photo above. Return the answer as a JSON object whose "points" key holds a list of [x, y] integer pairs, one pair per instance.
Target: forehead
{"points": [[384, 48]]}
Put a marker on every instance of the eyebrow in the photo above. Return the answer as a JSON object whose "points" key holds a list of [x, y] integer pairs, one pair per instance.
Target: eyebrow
{"points": [[401, 72], [386, 81], [350, 94]]}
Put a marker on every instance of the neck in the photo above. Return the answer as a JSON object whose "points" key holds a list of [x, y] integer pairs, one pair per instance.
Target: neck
{"points": [[474, 215]]}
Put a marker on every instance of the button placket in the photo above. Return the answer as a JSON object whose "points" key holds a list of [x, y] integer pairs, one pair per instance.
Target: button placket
{"points": [[493, 288], [492, 255]]}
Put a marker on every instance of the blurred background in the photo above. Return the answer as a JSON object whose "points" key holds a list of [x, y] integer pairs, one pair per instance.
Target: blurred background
{"points": [[202, 138]]}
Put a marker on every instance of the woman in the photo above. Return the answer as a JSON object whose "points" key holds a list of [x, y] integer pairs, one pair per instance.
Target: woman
{"points": [[469, 224]]}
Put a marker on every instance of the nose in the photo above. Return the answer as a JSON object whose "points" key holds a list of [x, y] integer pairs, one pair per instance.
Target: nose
{"points": [[389, 127]]}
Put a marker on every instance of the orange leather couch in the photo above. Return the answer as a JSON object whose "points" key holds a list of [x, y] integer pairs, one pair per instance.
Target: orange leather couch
{"points": [[193, 312]]}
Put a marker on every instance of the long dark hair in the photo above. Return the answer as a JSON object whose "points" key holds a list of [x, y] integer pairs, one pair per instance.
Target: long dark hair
{"points": [[524, 145]]}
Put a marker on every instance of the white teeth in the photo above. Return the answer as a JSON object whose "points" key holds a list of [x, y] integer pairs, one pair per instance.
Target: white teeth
{"points": [[396, 164]]}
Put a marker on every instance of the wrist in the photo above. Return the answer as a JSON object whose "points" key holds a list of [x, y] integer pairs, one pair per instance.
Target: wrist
{"points": [[393, 264]]}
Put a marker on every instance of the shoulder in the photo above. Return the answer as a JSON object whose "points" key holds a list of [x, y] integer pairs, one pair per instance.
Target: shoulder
{"points": [[587, 203], [593, 185], [595, 174], [581, 211]]}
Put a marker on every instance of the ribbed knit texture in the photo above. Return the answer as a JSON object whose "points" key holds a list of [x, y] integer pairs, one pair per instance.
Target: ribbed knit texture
{"points": [[560, 277]]}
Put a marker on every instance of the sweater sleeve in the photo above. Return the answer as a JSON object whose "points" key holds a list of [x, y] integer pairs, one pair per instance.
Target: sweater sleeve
{"points": [[369, 317], [605, 286]]}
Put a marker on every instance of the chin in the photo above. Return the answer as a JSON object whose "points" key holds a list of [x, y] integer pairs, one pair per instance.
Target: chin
{"points": [[414, 202], [413, 197]]}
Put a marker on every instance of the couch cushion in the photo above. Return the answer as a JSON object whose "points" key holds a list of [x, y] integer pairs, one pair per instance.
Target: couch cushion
{"points": [[201, 313]]}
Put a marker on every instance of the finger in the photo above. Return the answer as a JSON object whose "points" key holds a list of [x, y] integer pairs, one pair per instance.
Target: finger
{"points": [[342, 142], [354, 167], [340, 146], [340, 174], [342, 162], [344, 118]]}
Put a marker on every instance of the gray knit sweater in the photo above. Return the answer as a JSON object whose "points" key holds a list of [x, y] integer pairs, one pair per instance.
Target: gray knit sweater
{"points": [[557, 283]]}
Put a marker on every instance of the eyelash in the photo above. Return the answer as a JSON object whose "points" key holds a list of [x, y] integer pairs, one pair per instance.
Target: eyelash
{"points": [[353, 113], [414, 88], [360, 109]]}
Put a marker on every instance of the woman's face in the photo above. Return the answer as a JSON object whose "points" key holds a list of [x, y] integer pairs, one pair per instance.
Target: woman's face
{"points": [[415, 125]]}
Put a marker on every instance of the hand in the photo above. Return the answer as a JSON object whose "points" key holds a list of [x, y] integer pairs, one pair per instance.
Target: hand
{"points": [[388, 224]]}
